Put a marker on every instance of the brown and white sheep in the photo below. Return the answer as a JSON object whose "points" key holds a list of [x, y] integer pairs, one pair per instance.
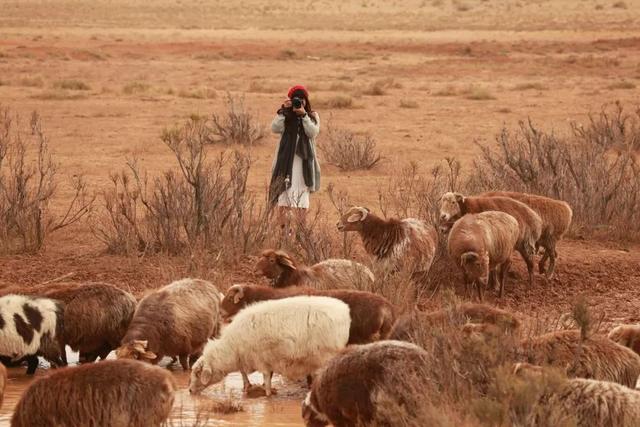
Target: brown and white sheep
{"points": [[176, 320], [96, 317], [395, 244], [31, 327], [409, 326], [482, 244], [372, 316], [584, 402], [627, 335], [379, 384], [284, 271], [556, 218], [113, 393], [595, 357], [454, 206]]}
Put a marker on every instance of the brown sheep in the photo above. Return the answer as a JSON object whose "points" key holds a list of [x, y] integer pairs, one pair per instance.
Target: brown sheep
{"points": [[3, 382], [372, 316], [113, 393], [556, 218], [284, 271], [394, 243], [454, 206], [176, 320], [482, 244], [584, 402], [379, 384], [96, 317], [627, 335], [595, 357], [408, 327]]}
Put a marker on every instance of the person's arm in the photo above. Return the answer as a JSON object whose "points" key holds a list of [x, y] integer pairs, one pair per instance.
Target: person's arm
{"points": [[277, 125], [311, 128]]}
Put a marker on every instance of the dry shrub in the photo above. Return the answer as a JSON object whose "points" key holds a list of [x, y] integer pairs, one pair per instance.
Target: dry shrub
{"points": [[381, 86], [237, 125], [348, 150], [28, 184], [203, 206], [71, 85], [594, 168], [335, 102], [135, 87]]}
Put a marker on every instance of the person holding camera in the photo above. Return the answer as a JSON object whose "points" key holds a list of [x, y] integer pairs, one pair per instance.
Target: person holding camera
{"points": [[295, 171]]}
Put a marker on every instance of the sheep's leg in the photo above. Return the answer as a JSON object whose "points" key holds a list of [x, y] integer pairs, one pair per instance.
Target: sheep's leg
{"points": [[504, 269], [543, 261], [526, 253], [552, 263], [184, 361], [32, 364], [246, 384], [267, 382], [492, 279], [479, 286], [309, 381]]}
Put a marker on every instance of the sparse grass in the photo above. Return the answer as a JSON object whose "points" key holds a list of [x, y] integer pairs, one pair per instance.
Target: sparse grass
{"points": [[59, 95], [71, 85], [198, 93], [619, 5], [408, 103], [31, 82], [288, 54], [624, 84], [237, 126], [504, 110], [348, 150], [135, 87], [448, 90], [336, 101], [477, 93], [381, 86], [226, 406], [340, 87], [262, 86], [529, 86]]}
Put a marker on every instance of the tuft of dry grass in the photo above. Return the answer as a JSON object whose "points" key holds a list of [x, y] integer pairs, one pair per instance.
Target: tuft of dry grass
{"points": [[237, 126], [226, 406], [262, 86], [624, 84], [31, 82], [408, 103], [381, 86], [448, 90], [335, 102], [477, 93], [529, 86], [71, 85], [198, 93], [135, 87], [59, 95], [620, 5], [348, 150]]}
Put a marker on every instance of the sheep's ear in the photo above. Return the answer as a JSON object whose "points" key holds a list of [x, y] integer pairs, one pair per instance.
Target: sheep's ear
{"points": [[459, 197], [359, 215], [286, 261], [205, 375], [516, 368], [238, 294], [140, 345]]}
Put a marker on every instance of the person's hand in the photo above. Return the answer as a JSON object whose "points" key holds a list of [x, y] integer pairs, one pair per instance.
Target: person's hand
{"points": [[300, 111], [286, 103]]}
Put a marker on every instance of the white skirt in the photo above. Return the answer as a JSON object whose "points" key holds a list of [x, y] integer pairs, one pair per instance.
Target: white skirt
{"points": [[296, 196]]}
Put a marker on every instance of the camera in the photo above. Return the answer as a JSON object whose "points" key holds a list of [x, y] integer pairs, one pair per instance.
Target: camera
{"points": [[296, 102]]}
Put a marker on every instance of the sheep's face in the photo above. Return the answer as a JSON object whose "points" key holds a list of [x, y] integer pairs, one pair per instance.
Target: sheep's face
{"points": [[311, 416], [268, 265], [136, 349], [353, 219], [233, 301], [475, 266], [202, 376], [450, 207]]}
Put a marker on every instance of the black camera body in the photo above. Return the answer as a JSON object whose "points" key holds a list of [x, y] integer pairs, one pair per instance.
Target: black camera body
{"points": [[296, 102]]}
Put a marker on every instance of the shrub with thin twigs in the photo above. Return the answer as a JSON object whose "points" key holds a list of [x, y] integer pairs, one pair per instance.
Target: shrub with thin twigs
{"points": [[28, 186], [348, 150], [203, 205], [237, 125], [594, 168]]}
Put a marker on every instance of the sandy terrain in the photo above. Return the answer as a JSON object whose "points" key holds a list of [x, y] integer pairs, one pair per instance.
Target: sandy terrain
{"points": [[150, 64]]}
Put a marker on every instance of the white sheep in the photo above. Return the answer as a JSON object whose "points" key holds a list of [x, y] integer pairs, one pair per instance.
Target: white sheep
{"points": [[291, 336]]}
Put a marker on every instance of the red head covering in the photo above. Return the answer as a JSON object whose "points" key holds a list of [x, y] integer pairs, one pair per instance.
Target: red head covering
{"points": [[295, 88]]}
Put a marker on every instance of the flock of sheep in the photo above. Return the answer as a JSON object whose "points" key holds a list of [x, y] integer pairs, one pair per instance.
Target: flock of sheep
{"points": [[311, 324]]}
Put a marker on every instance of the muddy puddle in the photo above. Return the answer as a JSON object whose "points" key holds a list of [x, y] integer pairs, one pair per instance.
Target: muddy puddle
{"points": [[282, 410]]}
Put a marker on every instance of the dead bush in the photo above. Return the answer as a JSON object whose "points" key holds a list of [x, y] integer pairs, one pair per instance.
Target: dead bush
{"points": [[202, 206], [348, 150], [237, 125], [28, 184], [594, 168]]}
